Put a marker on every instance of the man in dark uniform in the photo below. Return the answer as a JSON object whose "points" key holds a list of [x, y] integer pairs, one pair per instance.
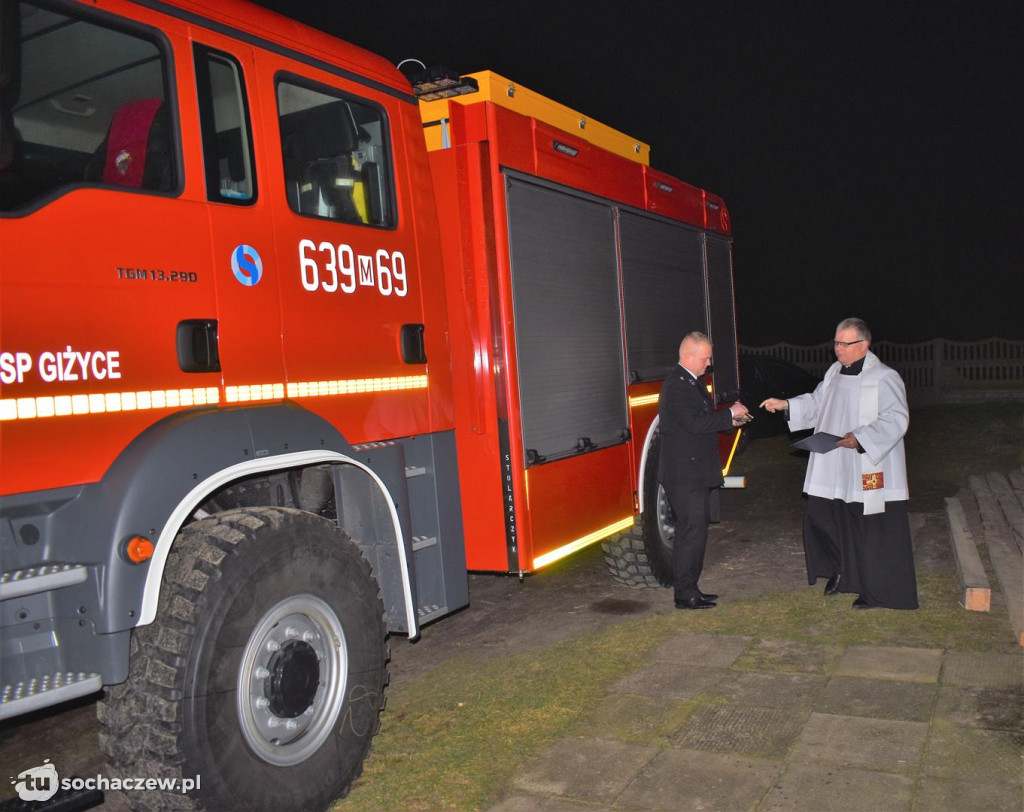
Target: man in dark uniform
{"points": [[689, 465]]}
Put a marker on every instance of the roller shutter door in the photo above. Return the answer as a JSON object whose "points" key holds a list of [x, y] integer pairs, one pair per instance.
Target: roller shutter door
{"points": [[567, 321], [721, 304], [664, 292]]}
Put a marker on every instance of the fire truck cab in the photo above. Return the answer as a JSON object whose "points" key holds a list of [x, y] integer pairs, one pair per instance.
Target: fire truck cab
{"points": [[285, 351]]}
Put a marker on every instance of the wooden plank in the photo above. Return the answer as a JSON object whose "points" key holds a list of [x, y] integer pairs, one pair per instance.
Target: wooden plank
{"points": [[1014, 519], [1006, 559], [1011, 506], [976, 594], [978, 483], [997, 483], [1017, 480]]}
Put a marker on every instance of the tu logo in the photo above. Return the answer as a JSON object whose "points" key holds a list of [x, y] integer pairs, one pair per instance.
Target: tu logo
{"points": [[38, 783]]}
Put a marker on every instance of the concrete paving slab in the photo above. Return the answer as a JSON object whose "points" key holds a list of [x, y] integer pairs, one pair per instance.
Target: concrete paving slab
{"points": [[636, 719], [883, 745], [709, 650], [789, 656], [828, 788], [883, 662], [764, 732], [879, 699], [693, 780], [941, 794], [585, 768], [671, 680], [770, 690], [983, 669], [541, 803], [967, 753], [980, 707]]}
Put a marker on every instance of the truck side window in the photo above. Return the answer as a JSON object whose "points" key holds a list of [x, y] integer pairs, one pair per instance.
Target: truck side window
{"points": [[335, 157], [88, 104], [227, 136]]}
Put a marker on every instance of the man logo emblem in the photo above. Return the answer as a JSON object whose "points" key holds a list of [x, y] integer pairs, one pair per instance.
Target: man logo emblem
{"points": [[247, 265]]}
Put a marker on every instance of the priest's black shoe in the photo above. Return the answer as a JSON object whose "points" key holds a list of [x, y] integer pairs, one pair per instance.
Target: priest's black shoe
{"points": [[832, 587], [708, 596], [695, 603], [860, 603]]}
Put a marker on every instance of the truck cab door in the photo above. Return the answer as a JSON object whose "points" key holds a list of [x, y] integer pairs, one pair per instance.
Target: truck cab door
{"points": [[351, 300], [102, 248], [248, 313]]}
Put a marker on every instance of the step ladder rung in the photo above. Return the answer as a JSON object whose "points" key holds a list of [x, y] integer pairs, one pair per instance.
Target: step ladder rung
{"points": [[44, 578], [45, 690]]}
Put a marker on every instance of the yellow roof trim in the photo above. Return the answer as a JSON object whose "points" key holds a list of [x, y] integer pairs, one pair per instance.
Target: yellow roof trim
{"points": [[508, 94]]}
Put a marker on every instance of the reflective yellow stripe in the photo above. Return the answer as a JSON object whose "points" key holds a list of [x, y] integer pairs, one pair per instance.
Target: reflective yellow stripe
{"points": [[732, 453], [579, 544], [251, 392], [643, 400], [102, 402], [315, 389]]}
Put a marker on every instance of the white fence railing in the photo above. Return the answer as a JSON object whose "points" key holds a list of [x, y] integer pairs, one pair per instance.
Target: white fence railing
{"points": [[935, 366]]}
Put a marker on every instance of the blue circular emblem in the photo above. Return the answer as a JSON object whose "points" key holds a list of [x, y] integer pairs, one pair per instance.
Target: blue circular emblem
{"points": [[247, 265]]}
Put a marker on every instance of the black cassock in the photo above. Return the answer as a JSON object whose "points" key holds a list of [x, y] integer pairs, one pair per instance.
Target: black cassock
{"points": [[875, 553]]}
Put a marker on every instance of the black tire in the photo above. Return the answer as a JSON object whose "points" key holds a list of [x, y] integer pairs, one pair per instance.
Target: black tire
{"points": [[641, 556], [275, 599], [626, 557]]}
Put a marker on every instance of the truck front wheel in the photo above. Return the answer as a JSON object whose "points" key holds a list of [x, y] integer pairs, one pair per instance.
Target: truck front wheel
{"points": [[261, 681]]}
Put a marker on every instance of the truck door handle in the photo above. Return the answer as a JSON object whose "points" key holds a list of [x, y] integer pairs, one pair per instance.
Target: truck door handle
{"points": [[197, 345], [413, 349]]}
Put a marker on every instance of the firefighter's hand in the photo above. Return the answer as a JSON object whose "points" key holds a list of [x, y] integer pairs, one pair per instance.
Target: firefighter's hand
{"points": [[774, 404], [740, 414], [847, 441]]}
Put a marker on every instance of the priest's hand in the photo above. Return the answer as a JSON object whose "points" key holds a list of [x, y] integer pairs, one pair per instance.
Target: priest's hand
{"points": [[847, 441], [775, 404]]}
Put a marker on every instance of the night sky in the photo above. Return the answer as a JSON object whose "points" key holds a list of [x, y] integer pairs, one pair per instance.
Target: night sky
{"points": [[869, 152]]}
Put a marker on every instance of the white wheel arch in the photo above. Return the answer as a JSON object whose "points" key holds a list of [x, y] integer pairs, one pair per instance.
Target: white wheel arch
{"points": [[643, 460], [202, 490]]}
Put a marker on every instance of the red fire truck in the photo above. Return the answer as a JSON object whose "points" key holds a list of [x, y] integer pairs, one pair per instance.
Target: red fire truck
{"points": [[286, 351]]}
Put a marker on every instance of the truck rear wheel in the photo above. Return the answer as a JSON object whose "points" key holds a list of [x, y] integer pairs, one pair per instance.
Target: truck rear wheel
{"points": [[641, 557], [262, 677]]}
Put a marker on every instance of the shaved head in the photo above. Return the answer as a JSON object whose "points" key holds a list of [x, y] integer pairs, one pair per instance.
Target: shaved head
{"points": [[695, 353]]}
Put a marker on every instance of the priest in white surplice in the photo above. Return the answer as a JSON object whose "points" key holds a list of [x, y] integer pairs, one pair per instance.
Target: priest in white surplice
{"points": [[857, 530]]}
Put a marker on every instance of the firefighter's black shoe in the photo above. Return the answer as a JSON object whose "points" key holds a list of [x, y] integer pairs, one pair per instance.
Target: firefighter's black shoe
{"points": [[695, 603]]}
